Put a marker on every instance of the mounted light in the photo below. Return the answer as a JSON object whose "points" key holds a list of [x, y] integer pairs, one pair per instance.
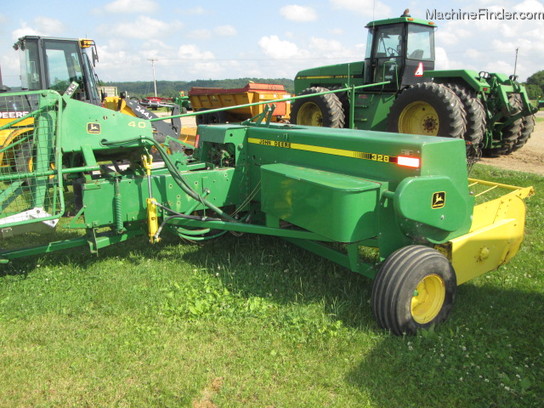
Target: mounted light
{"points": [[84, 43], [407, 161]]}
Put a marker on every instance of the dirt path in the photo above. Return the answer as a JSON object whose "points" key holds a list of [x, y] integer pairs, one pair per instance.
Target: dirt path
{"points": [[530, 158]]}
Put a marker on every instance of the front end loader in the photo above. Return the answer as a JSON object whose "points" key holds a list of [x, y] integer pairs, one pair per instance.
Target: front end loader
{"points": [[54, 63]]}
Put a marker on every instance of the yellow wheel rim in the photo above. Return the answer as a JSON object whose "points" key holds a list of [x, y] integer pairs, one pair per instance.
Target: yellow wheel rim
{"points": [[309, 114], [419, 118], [428, 299]]}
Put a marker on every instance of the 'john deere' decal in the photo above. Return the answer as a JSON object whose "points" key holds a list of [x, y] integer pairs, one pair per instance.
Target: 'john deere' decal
{"points": [[93, 128], [439, 199]]}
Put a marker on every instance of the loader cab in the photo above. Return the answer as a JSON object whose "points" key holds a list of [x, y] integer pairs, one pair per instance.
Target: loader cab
{"points": [[399, 50], [54, 63]]}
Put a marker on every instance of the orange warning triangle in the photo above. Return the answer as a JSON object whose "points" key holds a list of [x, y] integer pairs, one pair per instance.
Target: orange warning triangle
{"points": [[419, 70]]}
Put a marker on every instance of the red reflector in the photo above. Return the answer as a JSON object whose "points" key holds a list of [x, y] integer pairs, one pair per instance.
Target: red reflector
{"points": [[408, 161], [197, 140]]}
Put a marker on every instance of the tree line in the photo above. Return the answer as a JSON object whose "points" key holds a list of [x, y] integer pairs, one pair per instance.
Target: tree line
{"points": [[170, 89], [535, 85]]}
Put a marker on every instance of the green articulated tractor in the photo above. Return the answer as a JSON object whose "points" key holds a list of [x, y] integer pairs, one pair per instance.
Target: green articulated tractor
{"points": [[490, 111]]}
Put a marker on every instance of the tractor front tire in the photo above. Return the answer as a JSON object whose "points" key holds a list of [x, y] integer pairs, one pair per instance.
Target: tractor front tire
{"points": [[414, 289], [476, 120], [430, 109], [527, 127], [319, 110], [511, 133]]}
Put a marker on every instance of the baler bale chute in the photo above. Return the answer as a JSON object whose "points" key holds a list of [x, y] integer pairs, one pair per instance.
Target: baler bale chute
{"points": [[330, 191]]}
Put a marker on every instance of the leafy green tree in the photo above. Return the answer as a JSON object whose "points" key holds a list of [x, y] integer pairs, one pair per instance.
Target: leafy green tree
{"points": [[537, 79], [534, 91]]}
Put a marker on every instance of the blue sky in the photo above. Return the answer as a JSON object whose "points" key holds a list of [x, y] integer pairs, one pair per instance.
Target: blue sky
{"points": [[230, 39]]}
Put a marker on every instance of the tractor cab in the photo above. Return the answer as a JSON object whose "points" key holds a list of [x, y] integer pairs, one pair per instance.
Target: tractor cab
{"points": [[399, 50], [54, 63]]}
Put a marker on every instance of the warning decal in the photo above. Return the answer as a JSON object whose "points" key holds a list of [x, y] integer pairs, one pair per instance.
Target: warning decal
{"points": [[419, 70]]}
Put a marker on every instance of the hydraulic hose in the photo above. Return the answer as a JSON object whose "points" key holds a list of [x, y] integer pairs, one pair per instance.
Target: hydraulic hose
{"points": [[178, 178]]}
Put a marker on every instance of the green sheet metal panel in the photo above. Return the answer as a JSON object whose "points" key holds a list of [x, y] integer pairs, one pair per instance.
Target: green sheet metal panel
{"points": [[334, 205]]}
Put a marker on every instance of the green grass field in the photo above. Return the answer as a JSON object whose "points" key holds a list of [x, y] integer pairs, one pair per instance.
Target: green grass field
{"points": [[255, 322]]}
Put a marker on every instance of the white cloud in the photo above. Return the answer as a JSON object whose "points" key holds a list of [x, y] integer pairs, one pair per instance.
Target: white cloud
{"points": [[275, 48], [367, 8], [143, 27], [448, 35], [298, 13], [336, 31], [196, 11], [49, 25], [198, 62], [39, 26], [441, 59], [156, 49], [192, 52], [326, 48], [200, 34], [206, 34], [131, 6], [497, 40], [225, 31]]}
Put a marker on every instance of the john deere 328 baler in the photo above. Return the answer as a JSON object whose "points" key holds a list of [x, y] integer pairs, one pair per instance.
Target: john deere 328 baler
{"points": [[331, 191]]}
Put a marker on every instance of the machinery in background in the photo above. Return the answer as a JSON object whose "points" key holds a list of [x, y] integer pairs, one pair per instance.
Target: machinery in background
{"points": [[491, 112], [67, 65], [204, 98]]}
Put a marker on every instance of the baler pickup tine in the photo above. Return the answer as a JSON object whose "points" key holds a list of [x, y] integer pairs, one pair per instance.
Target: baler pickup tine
{"points": [[485, 191]]}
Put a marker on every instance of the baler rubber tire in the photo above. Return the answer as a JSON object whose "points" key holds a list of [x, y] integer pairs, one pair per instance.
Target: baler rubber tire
{"points": [[476, 119], [328, 109], [394, 291], [446, 104], [527, 127]]}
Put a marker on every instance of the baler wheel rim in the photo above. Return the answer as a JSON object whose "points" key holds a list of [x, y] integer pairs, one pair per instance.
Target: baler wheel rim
{"points": [[414, 289], [428, 298]]}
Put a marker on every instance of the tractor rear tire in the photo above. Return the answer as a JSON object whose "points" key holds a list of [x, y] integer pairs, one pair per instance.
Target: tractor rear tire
{"points": [[430, 109], [344, 100], [527, 127], [320, 110], [476, 120], [414, 289]]}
